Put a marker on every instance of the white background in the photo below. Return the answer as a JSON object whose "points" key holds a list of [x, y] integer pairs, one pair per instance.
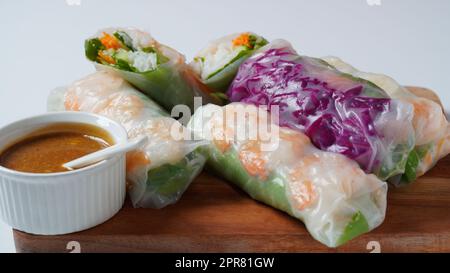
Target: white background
{"points": [[42, 41]]}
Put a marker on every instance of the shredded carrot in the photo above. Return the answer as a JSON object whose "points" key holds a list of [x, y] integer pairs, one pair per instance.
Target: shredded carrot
{"points": [[242, 40], [110, 41], [105, 57]]}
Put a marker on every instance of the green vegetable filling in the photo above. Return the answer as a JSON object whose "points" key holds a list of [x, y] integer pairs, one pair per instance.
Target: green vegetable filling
{"points": [[413, 161], [357, 226], [92, 47], [170, 180], [255, 43], [121, 58]]}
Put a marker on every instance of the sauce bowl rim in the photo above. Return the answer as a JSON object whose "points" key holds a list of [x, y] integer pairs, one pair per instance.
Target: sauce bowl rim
{"points": [[123, 136]]}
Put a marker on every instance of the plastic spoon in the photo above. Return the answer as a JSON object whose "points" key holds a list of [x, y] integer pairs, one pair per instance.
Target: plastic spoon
{"points": [[105, 153]]}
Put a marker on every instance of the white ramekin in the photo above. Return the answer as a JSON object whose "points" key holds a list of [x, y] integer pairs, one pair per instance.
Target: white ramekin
{"points": [[60, 203]]}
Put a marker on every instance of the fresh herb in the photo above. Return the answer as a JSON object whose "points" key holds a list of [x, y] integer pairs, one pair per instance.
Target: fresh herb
{"points": [[423, 150], [357, 226], [252, 41], [149, 49], [255, 41], [243, 54], [124, 65], [169, 180], [411, 167], [201, 59], [221, 97], [414, 158], [92, 47], [125, 39]]}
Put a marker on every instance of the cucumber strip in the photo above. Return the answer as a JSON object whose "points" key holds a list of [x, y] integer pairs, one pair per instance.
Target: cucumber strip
{"points": [[357, 226]]}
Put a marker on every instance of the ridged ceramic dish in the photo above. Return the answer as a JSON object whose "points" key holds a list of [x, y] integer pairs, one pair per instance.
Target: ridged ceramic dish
{"points": [[60, 203]]}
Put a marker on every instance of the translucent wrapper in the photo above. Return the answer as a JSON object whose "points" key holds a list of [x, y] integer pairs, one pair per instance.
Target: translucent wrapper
{"points": [[217, 64], [431, 127], [340, 113], [330, 193], [157, 70], [159, 172]]}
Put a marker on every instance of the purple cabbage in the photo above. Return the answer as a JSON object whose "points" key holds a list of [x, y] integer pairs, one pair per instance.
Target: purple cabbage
{"points": [[337, 112]]}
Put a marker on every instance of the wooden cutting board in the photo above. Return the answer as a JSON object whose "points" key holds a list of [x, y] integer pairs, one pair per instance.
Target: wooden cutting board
{"points": [[214, 216]]}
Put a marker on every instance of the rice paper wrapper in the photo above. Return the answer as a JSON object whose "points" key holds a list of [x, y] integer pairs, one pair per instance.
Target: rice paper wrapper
{"points": [[340, 113], [431, 128], [172, 83], [223, 77], [159, 172], [330, 193]]}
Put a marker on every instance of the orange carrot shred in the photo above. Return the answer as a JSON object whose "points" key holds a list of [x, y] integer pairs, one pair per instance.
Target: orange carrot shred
{"points": [[242, 40], [110, 41], [105, 57]]}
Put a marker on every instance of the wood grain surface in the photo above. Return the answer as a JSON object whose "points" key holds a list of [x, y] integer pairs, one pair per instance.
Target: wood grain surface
{"points": [[214, 216]]}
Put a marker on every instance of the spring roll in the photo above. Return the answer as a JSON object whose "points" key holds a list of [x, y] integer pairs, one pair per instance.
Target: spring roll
{"points": [[330, 193], [431, 127], [340, 113], [218, 62], [155, 69], [159, 172]]}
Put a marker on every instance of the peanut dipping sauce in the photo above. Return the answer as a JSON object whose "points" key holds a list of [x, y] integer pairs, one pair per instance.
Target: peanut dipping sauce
{"points": [[47, 149]]}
